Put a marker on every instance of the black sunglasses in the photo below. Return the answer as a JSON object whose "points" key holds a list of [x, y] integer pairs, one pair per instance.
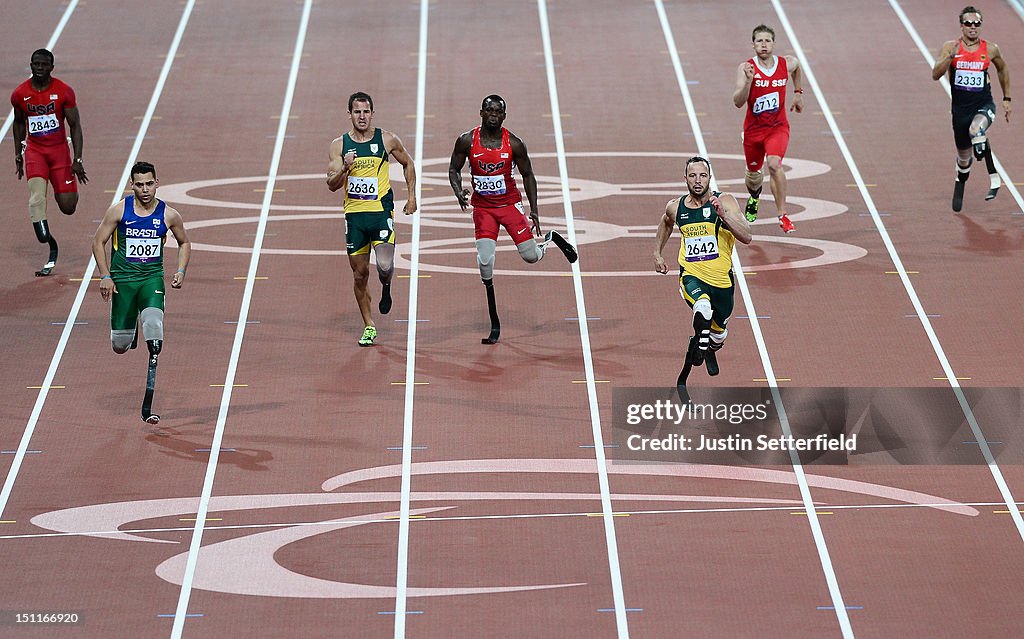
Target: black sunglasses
{"points": [[968, 23]]}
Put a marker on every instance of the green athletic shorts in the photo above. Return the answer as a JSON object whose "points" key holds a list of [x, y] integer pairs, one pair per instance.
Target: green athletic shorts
{"points": [[722, 299], [363, 230], [131, 298]]}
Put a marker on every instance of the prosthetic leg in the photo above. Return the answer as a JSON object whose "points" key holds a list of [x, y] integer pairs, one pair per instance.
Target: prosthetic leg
{"points": [[962, 173], [983, 151], [711, 359], [42, 230], [492, 309], [147, 402]]}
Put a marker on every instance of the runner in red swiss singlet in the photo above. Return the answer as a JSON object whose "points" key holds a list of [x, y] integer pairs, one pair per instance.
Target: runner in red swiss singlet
{"points": [[41, 106], [494, 153], [761, 84]]}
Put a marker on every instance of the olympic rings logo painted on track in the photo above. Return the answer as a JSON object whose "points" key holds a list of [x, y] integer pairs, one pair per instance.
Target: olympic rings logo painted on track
{"points": [[442, 213]]}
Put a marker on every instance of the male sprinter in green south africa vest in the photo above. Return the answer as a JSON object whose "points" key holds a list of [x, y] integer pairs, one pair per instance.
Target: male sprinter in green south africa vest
{"points": [[133, 279], [359, 164], [710, 223]]}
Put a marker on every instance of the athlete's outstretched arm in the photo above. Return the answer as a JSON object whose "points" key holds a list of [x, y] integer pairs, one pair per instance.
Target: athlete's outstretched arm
{"points": [[664, 231], [1003, 71], [796, 76], [522, 160], [20, 129], [729, 210], [459, 155], [177, 227], [75, 124], [397, 151], [945, 58], [337, 168], [744, 78], [106, 229]]}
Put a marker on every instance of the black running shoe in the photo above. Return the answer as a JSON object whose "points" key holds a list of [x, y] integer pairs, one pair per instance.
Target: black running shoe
{"points": [[958, 196]]}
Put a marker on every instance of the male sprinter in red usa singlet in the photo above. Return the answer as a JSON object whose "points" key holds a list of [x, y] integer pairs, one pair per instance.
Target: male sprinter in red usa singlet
{"points": [[42, 104], [494, 153]]}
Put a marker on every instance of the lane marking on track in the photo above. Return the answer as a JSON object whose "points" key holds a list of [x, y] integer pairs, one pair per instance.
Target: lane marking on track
{"points": [[135, 533], [50, 45], [83, 287], [944, 81], [611, 544], [405, 500], [805, 492], [192, 558]]}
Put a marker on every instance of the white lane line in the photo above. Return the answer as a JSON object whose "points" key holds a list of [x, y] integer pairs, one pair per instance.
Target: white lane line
{"points": [[618, 598], [664, 511], [922, 315], [944, 81], [50, 44], [181, 611], [1017, 6], [805, 492], [402, 574], [83, 288]]}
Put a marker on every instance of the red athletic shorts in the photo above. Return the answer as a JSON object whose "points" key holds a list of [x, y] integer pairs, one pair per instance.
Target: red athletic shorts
{"points": [[761, 142], [486, 222], [51, 163]]}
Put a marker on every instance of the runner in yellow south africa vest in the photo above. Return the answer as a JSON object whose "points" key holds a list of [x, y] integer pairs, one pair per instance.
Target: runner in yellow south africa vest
{"points": [[368, 189]]}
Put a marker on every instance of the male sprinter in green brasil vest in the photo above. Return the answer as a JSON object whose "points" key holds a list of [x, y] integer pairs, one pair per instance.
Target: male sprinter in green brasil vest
{"points": [[710, 223], [359, 164], [134, 280]]}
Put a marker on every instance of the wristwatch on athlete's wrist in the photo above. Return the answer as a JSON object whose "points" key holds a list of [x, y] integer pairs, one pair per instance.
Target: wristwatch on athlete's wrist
{"points": [[1006, 99], [78, 160]]}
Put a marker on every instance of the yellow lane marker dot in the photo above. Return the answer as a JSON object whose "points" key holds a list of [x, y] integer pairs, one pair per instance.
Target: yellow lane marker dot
{"points": [[817, 512], [78, 279], [290, 117], [414, 383], [155, 117], [232, 386], [855, 185], [908, 272], [778, 379], [11, 521], [410, 517], [602, 514], [258, 277], [264, 190], [997, 512], [42, 387], [596, 381], [194, 519], [942, 379]]}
